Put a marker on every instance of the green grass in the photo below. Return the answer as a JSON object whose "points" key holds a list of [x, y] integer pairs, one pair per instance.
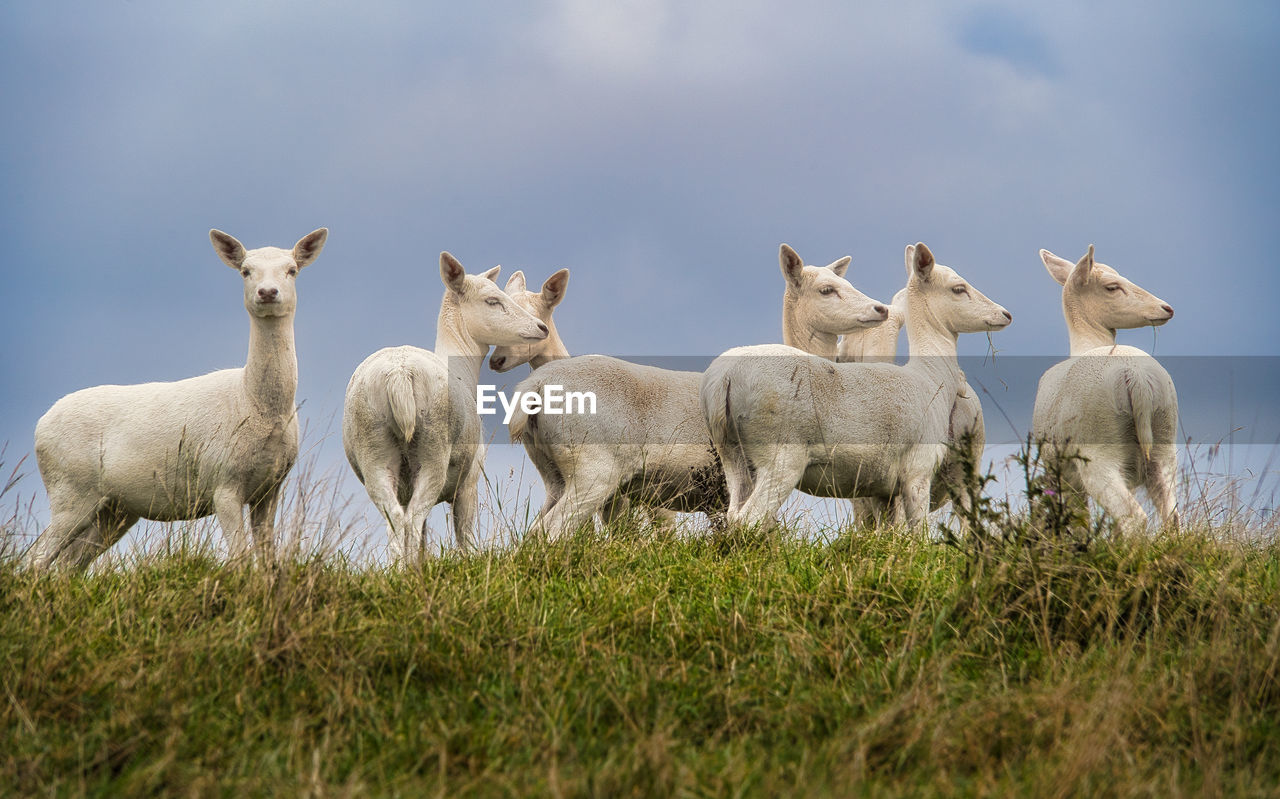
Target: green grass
{"points": [[875, 663]]}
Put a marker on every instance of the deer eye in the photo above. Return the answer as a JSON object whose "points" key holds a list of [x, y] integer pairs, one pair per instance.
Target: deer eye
{"points": [[1113, 287], [494, 301], [293, 272], [244, 272], [959, 290], [827, 291]]}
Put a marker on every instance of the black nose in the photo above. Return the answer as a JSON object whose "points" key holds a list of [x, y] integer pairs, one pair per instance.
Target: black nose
{"points": [[880, 309], [1007, 315], [268, 294], [543, 328], [1168, 309]]}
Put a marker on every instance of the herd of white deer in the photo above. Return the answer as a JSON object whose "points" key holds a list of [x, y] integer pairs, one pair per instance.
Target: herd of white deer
{"points": [[826, 412]]}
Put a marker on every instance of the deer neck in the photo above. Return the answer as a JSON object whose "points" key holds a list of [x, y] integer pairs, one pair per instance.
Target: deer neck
{"points": [[553, 349], [931, 343], [879, 343], [795, 333], [453, 343], [271, 370], [1083, 332]]}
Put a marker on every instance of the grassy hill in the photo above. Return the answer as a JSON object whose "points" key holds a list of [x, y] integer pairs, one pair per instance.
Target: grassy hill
{"points": [[641, 663]]}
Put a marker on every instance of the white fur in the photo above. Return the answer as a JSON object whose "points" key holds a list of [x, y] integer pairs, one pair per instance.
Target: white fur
{"points": [[542, 304], [110, 455], [781, 419], [649, 443], [1114, 405], [409, 423], [879, 345]]}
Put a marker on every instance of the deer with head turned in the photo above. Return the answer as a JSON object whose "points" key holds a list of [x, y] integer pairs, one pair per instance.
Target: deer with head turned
{"points": [[409, 423], [1110, 411], [649, 443], [781, 419], [541, 304], [967, 429]]}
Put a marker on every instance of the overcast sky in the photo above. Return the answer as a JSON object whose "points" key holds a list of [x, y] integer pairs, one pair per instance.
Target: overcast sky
{"points": [[660, 150]]}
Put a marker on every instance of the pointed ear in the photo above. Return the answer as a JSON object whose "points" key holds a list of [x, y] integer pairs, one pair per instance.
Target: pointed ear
{"points": [[309, 246], [228, 249], [492, 274], [1083, 268], [841, 266], [1059, 268], [921, 261], [792, 266], [515, 282], [553, 290], [899, 302], [452, 273]]}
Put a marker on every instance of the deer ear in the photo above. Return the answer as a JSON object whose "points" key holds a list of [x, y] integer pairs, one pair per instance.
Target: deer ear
{"points": [[309, 246], [1083, 268], [228, 248], [841, 266], [515, 282], [792, 266], [922, 262], [452, 273], [492, 274], [553, 290], [1059, 268]]}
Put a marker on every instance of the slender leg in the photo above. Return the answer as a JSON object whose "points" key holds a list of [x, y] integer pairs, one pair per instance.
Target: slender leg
{"points": [[109, 527], [262, 520], [915, 499], [1162, 482], [228, 504], [737, 474], [586, 493], [380, 483], [69, 521], [427, 489], [776, 477], [1106, 486], [81, 550], [552, 481], [465, 501]]}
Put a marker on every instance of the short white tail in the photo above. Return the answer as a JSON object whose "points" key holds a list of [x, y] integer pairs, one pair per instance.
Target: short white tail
{"points": [[404, 410], [1136, 395]]}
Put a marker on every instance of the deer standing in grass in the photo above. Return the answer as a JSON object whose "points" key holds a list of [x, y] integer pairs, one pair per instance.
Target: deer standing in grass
{"points": [[1109, 411], [781, 419], [212, 444], [409, 423], [967, 427], [649, 443]]}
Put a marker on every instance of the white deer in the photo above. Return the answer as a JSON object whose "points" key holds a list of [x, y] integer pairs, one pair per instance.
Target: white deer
{"points": [[879, 345], [1111, 405], [409, 423], [541, 304], [110, 455], [781, 419], [649, 443]]}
